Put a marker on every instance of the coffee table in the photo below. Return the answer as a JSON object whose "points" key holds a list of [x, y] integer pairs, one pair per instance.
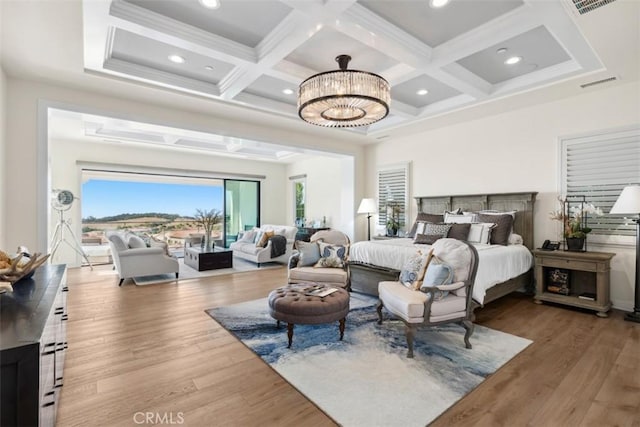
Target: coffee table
{"points": [[293, 304], [201, 260]]}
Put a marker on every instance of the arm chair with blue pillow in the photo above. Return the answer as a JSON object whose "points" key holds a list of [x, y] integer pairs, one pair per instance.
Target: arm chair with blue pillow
{"points": [[443, 295], [321, 260]]}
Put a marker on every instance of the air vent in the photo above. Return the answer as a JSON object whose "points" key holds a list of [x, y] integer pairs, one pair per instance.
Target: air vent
{"points": [[598, 82], [585, 6], [201, 144]]}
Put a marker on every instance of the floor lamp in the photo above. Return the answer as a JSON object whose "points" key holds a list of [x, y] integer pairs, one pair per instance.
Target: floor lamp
{"points": [[367, 206], [628, 203]]}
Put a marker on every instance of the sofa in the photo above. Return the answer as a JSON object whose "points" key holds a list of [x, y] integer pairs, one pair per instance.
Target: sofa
{"points": [[132, 257], [248, 247]]}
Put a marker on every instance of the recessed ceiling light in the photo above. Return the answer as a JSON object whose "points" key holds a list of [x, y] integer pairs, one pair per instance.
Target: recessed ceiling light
{"points": [[176, 58], [438, 3], [513, 60], [287, 91], [208, 68], [422, 92], [502, 50], [210, 4]]}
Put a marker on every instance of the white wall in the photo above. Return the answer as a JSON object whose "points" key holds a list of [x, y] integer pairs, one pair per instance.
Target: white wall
{"points": [[329, 191], [26, 216], [515, 151], [66, 174], [3, 170]]}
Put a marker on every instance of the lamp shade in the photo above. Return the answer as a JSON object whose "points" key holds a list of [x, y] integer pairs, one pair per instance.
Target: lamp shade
{"points": [[628, 202], [367, 206]]}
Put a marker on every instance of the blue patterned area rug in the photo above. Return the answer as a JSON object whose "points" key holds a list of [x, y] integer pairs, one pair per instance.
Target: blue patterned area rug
{"points": [[366, 379]]}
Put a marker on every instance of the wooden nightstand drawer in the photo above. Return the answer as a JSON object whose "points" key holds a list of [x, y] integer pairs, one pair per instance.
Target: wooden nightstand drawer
{"points": [[570, 264]]}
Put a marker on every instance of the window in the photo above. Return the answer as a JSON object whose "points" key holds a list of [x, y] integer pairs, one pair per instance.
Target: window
{"points": [[392, 193], [599, 166], [299, 199]]}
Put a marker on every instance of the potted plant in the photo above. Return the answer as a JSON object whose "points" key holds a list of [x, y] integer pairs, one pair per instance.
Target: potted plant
{"points": [[574, 220], [392, 227], [208, 219]]}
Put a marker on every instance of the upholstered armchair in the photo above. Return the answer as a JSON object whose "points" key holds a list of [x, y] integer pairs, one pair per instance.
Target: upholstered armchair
{"points": [[321, 260], [431, 304], [132, 257]]}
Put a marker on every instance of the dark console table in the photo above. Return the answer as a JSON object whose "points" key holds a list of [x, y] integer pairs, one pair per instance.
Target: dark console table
{"points": [[305, 233], [200, 260], [33, 346]]}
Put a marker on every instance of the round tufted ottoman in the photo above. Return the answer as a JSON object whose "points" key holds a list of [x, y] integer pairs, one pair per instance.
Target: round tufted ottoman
{"points": [[293, 305]]}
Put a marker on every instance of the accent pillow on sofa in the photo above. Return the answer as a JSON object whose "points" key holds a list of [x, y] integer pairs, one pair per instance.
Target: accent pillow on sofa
{"points": [[309, 253], [249, 236], [134, 242], [438, 273], [154, 243], [264, 238]]}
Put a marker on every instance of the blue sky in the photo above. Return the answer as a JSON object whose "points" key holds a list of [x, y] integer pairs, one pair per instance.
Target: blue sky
{"points": [[107, 198]]}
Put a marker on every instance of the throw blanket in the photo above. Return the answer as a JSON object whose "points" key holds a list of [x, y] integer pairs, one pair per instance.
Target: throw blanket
{"points": [[278, 245]]}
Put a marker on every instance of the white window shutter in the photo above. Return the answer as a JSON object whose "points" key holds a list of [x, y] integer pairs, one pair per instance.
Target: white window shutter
{"points": [[393, 188]]}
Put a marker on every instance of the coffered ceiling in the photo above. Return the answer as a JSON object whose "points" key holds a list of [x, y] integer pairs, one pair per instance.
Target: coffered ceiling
{"points": [[256, 53]]}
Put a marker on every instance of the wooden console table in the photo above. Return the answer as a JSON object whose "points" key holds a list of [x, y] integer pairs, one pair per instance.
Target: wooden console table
{"points": [[199, 260]]}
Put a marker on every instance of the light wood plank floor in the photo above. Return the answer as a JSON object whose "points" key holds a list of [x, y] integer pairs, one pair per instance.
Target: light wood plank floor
{"points": [[153, 349]]}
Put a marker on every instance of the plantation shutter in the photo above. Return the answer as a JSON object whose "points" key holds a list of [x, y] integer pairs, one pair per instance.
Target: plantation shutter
{"points": [[599, 167], [392, 191]]}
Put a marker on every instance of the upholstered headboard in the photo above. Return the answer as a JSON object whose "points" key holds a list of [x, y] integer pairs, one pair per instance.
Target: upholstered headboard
{"points": [[522, 203]]}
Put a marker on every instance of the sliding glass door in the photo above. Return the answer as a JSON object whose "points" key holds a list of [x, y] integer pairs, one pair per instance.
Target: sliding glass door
{"points": [[241, 207]]}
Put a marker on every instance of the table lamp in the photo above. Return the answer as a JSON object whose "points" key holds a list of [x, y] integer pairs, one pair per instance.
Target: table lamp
{"points": [[628, 203], [367, 206]]}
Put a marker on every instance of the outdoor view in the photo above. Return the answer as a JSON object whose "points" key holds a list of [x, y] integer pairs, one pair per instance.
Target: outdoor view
{"points": [[164, 211]]}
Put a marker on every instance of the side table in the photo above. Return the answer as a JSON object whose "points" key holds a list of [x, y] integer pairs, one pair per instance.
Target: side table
{"points": [[578, 279]]}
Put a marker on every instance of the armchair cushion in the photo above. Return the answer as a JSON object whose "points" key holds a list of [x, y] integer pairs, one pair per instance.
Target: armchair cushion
{"points": [[457, 257], [449, 307], [328, 250], [402, 301], [329, 262], [309, 253]]}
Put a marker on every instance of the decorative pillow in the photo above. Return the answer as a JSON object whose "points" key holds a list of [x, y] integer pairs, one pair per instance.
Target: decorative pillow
{"points": [[265, 238], [516, 239], [309, 253], [136, 242], [459, 231], [249, 236], [438, 273], [424, 217], [155, 243], [480, 233], [504, 224], [330, 262], [458, 219], [328, 250], [259, 234], [441, 229], [427, 239], [413, 270]]}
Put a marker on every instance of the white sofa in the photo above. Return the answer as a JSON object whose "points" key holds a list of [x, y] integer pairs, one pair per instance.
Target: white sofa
{"points": [[132, 257], [247, 249]]}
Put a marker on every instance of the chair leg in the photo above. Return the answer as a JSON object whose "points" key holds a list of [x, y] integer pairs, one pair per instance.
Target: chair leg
{"points": [[379, 310], [176, 274], [121, 280], [409, 333], [468, 325]]}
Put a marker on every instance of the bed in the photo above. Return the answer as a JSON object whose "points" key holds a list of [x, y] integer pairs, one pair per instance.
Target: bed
{"points": [[374, 261]]}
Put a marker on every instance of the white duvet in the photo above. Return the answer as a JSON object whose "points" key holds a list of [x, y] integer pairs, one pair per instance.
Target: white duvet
{"points": [[496, 264]]}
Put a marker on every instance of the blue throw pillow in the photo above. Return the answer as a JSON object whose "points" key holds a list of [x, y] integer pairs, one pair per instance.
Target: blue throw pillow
{"points": [[309, 253], [438, 273]]}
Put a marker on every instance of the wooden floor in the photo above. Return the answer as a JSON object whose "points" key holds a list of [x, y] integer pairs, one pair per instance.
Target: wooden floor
{"points": [[152, 349]]}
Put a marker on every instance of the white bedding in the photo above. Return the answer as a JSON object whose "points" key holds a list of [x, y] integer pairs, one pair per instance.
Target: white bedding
{"points": [[496, 264]]}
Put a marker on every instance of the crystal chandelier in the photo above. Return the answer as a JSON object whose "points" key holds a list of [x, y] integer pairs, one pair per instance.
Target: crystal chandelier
{"points": [[343, 98]]}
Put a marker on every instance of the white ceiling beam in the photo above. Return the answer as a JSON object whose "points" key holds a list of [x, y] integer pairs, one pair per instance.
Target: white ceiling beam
{"points": [[463, 80]]}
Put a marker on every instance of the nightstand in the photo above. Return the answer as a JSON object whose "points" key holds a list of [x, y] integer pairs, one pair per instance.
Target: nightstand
{"points": [[578, 279]]}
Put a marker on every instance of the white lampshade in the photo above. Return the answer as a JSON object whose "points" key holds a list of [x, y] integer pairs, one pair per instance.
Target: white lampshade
{"points": [[367, 206], [628, 202]]}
